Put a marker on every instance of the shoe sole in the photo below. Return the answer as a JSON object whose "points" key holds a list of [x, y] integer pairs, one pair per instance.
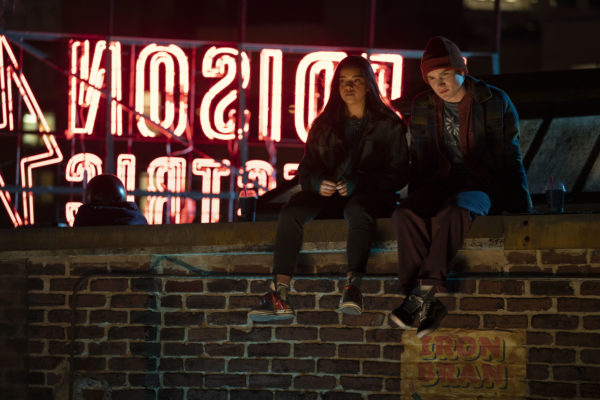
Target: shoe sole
{"points": [[398, 322], [431, 329], [270, 317], [350, 309]]}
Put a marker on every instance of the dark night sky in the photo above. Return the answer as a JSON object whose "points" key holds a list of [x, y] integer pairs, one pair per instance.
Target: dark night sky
{"points": [[400, 24]]}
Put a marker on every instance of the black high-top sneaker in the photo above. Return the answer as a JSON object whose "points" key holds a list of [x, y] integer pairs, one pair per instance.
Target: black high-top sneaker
{"points": [[431, 315], [404, 316]]}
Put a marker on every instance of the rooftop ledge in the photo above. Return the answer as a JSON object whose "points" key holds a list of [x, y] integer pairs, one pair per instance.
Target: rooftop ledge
{"points": [[518, 232]]}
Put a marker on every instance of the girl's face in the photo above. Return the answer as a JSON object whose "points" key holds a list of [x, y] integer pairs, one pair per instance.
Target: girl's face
{"points": [[353, 88]]}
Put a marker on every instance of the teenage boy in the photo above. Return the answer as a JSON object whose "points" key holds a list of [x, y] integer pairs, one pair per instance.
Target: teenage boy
{"points": [[465, 162]]}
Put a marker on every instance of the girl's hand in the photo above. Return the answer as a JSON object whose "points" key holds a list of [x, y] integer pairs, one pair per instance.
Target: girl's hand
{"points": [[342, 188], [327, 188]]}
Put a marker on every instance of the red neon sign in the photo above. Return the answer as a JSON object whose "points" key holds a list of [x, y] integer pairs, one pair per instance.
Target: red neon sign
{"points": [[160, 92]]}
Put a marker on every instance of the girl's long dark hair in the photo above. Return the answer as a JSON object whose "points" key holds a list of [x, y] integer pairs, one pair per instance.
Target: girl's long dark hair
{"points": [[334, 112]]}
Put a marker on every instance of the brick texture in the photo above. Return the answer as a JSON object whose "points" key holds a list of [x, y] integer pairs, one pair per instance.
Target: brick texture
{"points": [[185, 337]]}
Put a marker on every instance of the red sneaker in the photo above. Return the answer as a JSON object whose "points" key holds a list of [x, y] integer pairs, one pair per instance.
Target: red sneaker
{"points": [[351, 301], [271, 308]]}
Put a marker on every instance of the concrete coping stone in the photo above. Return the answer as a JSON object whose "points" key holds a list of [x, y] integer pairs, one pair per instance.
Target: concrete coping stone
{"points": [[515, 232]]}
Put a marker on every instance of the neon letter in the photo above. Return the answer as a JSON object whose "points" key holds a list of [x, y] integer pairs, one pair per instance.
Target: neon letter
{"points": [[162, 56], [221, 63], [211, 172], [80, 167], [83, 166], [84, 93], [390, 83], [270, 58], [71, 209], [260, 176], [126, 173], [165, 173], [290, 170]]}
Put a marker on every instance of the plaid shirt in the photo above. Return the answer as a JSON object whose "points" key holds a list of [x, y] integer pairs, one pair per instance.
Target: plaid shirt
{"points": [[495, 126]]}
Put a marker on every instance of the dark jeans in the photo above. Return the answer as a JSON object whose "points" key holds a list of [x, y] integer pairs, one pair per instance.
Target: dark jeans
{"points": [[428, 239], [359, 210]]}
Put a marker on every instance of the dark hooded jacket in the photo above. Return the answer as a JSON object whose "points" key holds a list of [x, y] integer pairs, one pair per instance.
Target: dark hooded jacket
{"points": [[124, 213]]}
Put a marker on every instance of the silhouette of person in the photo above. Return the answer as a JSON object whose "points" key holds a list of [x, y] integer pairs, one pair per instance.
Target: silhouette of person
{"points": [[106, 204]]}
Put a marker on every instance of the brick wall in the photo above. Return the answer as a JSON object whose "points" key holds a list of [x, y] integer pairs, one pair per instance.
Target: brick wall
{"points": [[143, 324]]}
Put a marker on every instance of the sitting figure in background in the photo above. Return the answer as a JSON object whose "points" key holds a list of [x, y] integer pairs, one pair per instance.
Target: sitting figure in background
{"points": [[106, 204]]}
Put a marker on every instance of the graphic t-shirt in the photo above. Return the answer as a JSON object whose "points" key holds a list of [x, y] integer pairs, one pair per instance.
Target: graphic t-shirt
{"points": [[451, 135]]}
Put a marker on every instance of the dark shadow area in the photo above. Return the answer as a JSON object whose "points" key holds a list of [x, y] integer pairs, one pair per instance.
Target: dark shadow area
{"points": [[13, 331]]}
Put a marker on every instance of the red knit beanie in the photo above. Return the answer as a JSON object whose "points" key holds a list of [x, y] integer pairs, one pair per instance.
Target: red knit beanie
{"points": [[441, 53]]}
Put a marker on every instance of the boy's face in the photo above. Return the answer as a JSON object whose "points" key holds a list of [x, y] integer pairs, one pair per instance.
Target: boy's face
{"points": [[447, 83]]}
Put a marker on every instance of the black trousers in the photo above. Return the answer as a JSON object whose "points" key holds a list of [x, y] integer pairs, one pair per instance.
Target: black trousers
{"points": [[360, 211]]}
